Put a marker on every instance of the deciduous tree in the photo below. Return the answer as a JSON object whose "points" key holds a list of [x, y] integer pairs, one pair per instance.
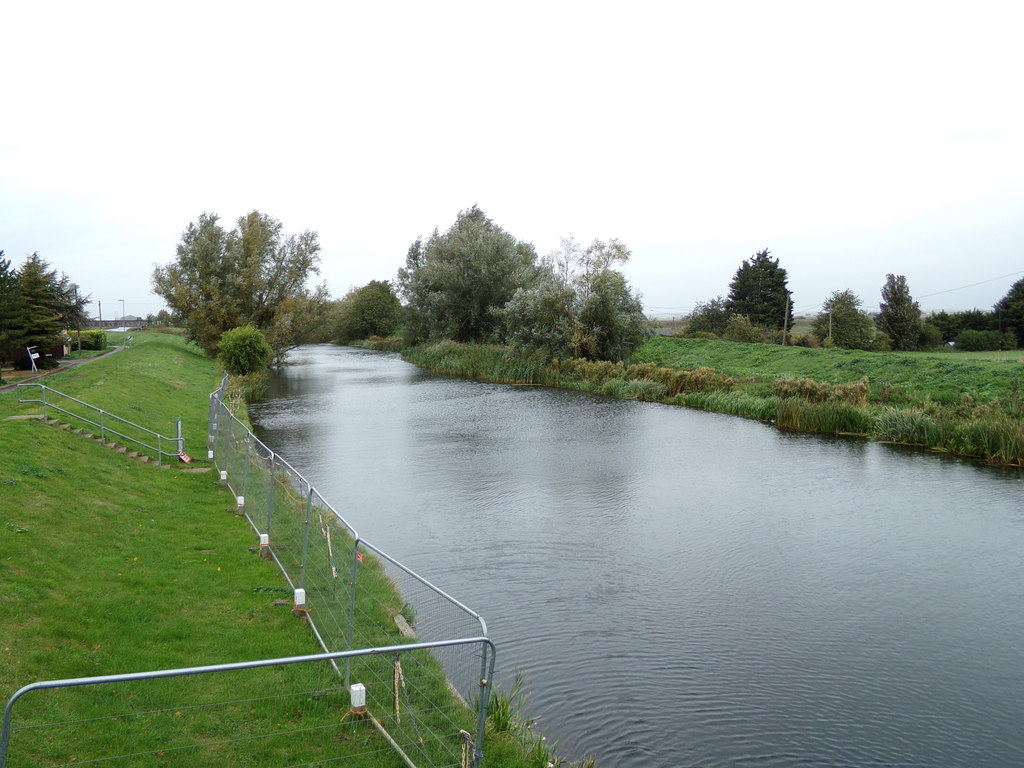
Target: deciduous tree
{"points": [[710, 316], [254, 274], [758, 290], [579, 305], [373, 310], [455, 283], [843, 321], [899, 316]]}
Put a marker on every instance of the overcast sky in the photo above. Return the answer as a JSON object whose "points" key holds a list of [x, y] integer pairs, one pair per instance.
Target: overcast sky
{"points": [[852, 140]]}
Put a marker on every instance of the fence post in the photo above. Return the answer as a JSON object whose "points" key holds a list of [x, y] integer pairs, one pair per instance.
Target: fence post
{"points": [[305, 538], [42, 388], [350, 631], [486, 685], [245, 470], [103, 433], [178, 438], [270, 492], [159, 450]]}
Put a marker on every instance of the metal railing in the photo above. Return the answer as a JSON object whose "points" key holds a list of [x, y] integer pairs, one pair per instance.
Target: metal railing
{"points": [[268, 716], [108, 424], [353, 594]]}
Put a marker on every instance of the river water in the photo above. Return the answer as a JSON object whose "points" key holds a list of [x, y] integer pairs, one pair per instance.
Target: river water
{"points": [[683, 588]]}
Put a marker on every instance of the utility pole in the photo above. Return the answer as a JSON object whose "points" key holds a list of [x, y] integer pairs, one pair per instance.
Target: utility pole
{"points": [[785, 321], [78, 320]]}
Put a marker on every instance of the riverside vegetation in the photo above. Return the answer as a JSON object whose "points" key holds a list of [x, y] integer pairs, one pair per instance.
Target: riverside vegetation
{"points": [[960, 404], [110, 565]]}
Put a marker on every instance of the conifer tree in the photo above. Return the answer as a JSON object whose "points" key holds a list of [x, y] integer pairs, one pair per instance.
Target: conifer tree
{"points": [[758, 290], [1009, 311], [899, 316], [11, 331], [40, 316]]}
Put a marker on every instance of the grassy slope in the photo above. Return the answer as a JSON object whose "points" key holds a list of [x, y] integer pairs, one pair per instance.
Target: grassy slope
{"points": [[925, 372], [110, 565]]}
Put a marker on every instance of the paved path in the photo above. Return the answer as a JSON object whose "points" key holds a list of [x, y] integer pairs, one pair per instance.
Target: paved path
{"points": [[7, 386]]}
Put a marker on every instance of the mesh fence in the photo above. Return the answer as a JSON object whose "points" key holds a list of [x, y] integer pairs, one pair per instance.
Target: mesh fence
{"points": [[355, 595], [281, 712]]}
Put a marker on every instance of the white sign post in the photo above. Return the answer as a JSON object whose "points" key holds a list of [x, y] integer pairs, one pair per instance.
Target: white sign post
{"points": [[32, 356]]}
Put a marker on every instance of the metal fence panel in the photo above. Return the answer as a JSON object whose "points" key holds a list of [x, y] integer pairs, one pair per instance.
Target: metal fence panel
{"points": [[283, 712], [356, 596]]}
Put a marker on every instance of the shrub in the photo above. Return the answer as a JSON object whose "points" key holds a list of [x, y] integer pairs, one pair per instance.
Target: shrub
{"points": [[739, 328], [90, 339], [807, 340], [983, 341], [244, 350]]}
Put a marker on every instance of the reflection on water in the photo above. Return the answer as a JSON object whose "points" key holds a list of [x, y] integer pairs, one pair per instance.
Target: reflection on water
{"points": [[684, 588]]}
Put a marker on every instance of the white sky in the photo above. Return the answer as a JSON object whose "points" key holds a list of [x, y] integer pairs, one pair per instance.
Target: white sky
{"points": [[852, 140]]}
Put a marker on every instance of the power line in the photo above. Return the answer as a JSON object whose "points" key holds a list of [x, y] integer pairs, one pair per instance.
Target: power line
{"points": [[990, 280]]}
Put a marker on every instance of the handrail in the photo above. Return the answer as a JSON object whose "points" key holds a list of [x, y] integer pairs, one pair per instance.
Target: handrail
{"points": [[178, 442]]}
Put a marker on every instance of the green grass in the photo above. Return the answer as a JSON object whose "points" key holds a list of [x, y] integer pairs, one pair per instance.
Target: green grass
{"points": [[109, 565], [980, 374]]}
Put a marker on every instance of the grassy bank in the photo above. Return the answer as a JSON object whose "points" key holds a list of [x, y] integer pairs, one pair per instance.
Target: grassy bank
{"points": [[968, 406], [110, 565]]}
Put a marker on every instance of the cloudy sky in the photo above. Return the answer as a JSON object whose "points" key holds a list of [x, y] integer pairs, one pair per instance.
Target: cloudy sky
{"points": [[852, 140]]}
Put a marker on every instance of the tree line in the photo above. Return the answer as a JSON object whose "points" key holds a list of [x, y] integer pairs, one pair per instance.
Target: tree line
{"points": [[759, 308], [474, 282]]}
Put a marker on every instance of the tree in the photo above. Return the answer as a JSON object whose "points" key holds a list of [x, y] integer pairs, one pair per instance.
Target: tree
{"points": [[951, 324], [610, 320], [758, 290], [1009, 311], [843, 321], [899, 316], [302, 318], [254, 274], [456, 283], [709, 317], [11, 329], [579, 305], [543, 316], [41, 298], [373, 310]]}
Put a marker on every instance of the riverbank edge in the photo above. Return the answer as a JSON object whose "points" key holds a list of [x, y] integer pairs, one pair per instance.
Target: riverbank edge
{"points": [[983, 429]]}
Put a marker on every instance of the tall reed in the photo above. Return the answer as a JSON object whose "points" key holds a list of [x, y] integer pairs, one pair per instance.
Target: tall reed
{"points": [[833, 417]]}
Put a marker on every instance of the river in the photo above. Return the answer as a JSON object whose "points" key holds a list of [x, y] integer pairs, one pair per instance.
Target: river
{"points": [[684, 588]]}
